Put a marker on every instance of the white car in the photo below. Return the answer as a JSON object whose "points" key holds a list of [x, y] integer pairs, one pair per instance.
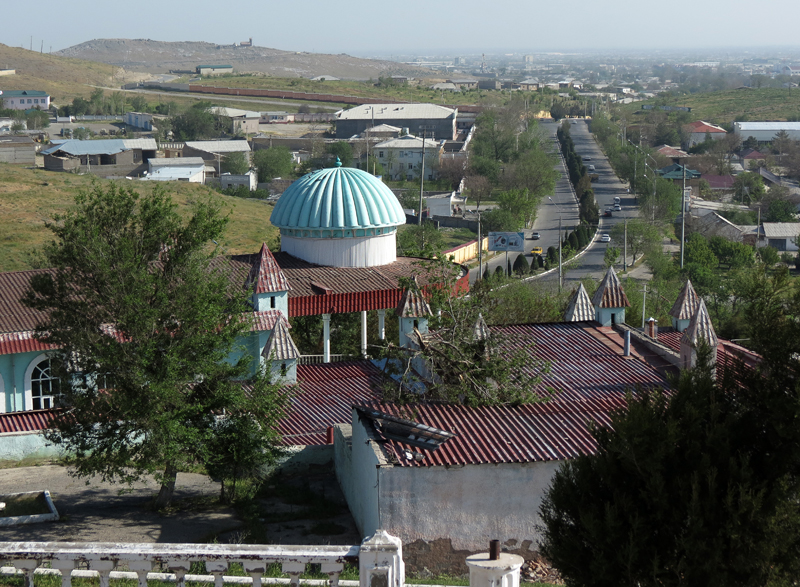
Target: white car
{"points": [[617, 207], [605, 238]]}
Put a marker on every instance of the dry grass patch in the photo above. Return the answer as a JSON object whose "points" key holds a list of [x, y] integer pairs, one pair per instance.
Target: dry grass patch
{"points": [[31, 197]]}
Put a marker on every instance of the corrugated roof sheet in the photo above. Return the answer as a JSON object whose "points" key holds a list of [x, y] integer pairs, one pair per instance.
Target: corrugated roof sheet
{"points": [[610, 293], [395, 111], [267, 320], [686, 304], [14, 316], [702, 126], [266, 275], [280, 346], [773, 126], [413, 303], [21, 342], [580, 307], [781, 229], [30, 421], [219, 146], [175, 161], [78, 147], [323, 397]]}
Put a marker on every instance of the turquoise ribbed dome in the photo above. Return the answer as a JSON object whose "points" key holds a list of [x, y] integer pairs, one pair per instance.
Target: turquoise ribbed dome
{"points": [[337, 198]]}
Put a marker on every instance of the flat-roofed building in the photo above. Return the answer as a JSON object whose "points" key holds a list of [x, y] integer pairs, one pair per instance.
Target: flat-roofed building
{"points": [[438, 122], [17, 150], [764, 132], [25, 99]]}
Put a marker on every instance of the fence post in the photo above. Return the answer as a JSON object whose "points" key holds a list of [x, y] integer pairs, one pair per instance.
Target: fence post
{"points": [[380, 561]]}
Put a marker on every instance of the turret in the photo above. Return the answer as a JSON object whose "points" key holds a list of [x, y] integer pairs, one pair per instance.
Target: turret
{"points": [[412, 312], [610, 301]]}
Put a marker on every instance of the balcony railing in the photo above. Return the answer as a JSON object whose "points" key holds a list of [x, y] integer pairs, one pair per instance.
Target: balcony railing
{"points": [[380, 561]]}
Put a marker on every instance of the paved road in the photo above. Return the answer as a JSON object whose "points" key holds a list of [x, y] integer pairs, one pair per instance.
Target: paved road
{"points": [[561, 203], [606, 189]]}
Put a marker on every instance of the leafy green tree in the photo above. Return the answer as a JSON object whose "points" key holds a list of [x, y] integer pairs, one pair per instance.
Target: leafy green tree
{"points": [[500, 220], [769, 255], [698, 251], [677, 493], [748, 187], [521, 266], [610, 257], [420, 240], [198, 122], [235, 163], [272, 163], [781, 211], [144, 323], [641, 236], [342, 150], [557, 111], [138, 103], [37, 119]]}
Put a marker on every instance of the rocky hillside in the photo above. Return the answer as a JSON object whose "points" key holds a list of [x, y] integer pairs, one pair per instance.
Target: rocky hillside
{"points": [[161, 57]]}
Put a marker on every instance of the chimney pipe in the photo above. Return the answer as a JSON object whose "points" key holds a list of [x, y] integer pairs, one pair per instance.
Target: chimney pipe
{"points": [[494, 550], [329, 435], [651, 328], [627, 347]]}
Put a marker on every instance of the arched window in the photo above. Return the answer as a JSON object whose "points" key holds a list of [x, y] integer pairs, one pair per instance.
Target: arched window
{"points": [[42, 386]]}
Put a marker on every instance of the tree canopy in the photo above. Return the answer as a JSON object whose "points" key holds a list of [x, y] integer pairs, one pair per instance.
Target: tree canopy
{"points": [[273, 162], [144, 323], [698, 486]]}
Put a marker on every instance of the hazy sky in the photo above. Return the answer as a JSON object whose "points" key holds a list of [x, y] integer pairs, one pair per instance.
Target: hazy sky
{"points": [[412, 26]]}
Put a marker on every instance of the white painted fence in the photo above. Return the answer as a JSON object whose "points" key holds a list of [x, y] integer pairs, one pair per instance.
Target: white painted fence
{"points": [[380, 561]]}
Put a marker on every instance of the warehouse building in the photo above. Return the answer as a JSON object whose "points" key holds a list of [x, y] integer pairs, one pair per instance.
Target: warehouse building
{"points": [[437, 122], [764, 132]]}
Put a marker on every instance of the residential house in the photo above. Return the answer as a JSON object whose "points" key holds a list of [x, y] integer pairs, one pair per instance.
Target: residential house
{"points": [[530, 85], [213, 69], [721, 183], [749, 158], [401, 158], [699, 129], [105, 157], [25, 100], [783, 236], [464, 84], [213, 152], [189, 169], [435, 121], [231, 180], [140, 120], [676, 171], [19, 150], [242, 121]]}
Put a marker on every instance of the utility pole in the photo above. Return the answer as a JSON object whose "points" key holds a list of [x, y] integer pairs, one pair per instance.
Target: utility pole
{"points": [[560, 270], [421, 179], [625, 247], [644, 303], [480, 248], [683, 212]]}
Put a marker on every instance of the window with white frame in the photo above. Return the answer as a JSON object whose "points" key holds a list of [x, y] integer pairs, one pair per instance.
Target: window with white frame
{"points": [[44, 387]]}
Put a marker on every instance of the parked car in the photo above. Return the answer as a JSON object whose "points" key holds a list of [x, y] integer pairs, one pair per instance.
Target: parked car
{"points": [[536, 251], [605, 238], [587, 158], [536, 236], [607, 213], [591, 167], [617, 200], [617, 207]]}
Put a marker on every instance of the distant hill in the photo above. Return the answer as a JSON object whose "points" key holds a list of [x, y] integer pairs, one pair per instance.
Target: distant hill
{"points": [[161, 56], [63, 78]]}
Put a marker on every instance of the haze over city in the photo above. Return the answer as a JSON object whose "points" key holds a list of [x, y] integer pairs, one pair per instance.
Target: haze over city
{"points": [[417, 27]]}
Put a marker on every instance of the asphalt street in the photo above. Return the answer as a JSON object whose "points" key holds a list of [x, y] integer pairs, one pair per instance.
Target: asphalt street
{"points": [[562, 203]]}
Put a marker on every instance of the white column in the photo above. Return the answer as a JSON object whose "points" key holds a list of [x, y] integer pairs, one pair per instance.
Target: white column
{"points": [[364, 333], [326, 334], [382, 324], [484, 572], [380, 561]]}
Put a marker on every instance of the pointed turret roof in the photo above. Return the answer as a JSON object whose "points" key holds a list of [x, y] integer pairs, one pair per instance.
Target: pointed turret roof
{"points": [[280, 346], [266, 275], [580, 307], [685, 306], [610, 293], [700, 328], [480, 330], [413, 304]]}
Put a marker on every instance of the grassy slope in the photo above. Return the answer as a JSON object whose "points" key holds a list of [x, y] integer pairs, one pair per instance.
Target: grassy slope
{"points": [[63, 78], [30, 197], [723, 107]]}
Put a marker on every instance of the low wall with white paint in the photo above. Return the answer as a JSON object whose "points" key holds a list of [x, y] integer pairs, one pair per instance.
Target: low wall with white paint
{"points": [[16, 446]]}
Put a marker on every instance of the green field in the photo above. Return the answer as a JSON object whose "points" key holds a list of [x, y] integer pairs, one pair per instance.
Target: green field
{"points": [[30, 197], [729, 105]]}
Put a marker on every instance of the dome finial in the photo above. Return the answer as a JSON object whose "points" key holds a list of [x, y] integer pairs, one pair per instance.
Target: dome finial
{"points": [[338, 162]]}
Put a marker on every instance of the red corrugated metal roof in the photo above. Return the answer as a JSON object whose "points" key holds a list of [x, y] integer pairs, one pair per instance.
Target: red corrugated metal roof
{"points": [[324, 396], [267, 319], [21, 342], [266, 275], [587, 381], [30, 421]]}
